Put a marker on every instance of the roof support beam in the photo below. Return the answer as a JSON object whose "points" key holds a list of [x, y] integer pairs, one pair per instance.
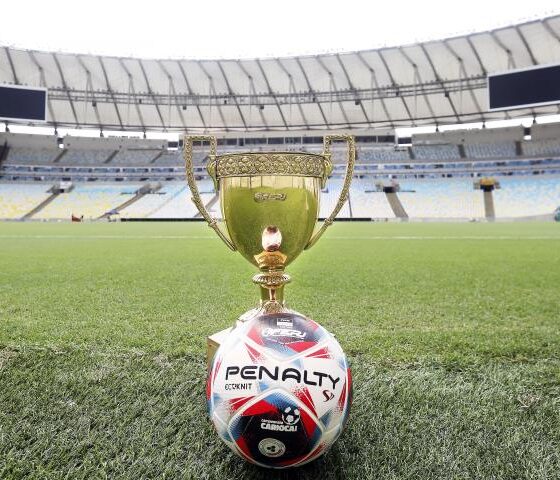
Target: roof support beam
{"points": [[507, 51], [190, 91], [310, 88], [65, 85], [529, 51], [44, 84], [438, 78], [291, 82], [374, 81], [10, 60], [351, 85], [230, 92], [90, 86], [151, 93], [550, 30], [172, 89], [266, 81], [212, 93], [526, 45], [462, 70], [334, 89], [388, 70], [110, 90], [483, 69], [133, 90], [419, 77], [252, 95]]}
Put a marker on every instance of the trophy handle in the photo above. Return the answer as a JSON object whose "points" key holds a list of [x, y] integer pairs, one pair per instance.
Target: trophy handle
{"points": [[327, 141], [188, 154]]}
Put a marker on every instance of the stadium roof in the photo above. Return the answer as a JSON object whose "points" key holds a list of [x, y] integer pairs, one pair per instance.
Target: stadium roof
{"points": [[435, 82]]}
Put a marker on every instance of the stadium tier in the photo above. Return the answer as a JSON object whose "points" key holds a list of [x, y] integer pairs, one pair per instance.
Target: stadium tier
{"points": [[172, 201], [443, 153], [384, 155], [89, 201], [490, 150], [367, 202], [31, 156], [433, 177], [329, 198], [443, 198], [542, 148], [16, 200], [526, 197]]}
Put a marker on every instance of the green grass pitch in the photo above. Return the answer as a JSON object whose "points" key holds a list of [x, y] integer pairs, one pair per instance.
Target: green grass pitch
{"points": [[452, 330]]}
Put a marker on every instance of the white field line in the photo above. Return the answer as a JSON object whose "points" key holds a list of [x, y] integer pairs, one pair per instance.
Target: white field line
{"points": [[448, 237], [112, 237], [211, 237]]}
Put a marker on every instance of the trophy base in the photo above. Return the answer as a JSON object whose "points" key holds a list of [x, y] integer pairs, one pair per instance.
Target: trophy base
{"points": [[214, 341]]}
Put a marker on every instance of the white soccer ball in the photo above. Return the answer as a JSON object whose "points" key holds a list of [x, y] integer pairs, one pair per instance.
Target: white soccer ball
{"points": [[279, 390]]}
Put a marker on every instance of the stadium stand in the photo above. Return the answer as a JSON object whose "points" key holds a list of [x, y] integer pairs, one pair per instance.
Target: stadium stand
{"points": [[367, 202], [152, 202], [85, 157], [442, 153], [383, 155], [134, 157], [32, 156], [490, 150], [91, 201], [545, 131], [541, 148], [16, 200], [527, 196], [172, 201], [168, 159], [450, 198], [436, 174], [329, 198], [174, 158], [444, 198]]}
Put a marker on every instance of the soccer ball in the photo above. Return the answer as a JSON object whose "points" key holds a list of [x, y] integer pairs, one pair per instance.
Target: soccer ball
{"points": [[279, 390]]}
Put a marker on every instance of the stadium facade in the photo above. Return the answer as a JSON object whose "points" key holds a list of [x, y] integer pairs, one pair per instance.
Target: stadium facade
{"points": [[287, 103], [436, 82]]}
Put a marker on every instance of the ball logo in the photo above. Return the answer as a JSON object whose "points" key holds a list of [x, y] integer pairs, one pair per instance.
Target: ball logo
{"points": [[271, 447], [283, 332], [290, 415], [328, 395], [284, 322], [290, 418], [260, 372]]}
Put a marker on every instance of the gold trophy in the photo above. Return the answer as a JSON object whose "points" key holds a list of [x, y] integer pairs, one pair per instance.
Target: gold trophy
{"points": [[270, 205]]}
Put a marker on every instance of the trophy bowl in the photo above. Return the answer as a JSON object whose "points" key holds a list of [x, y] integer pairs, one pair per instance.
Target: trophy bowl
{"points": [[270, 206], [260, 190]]}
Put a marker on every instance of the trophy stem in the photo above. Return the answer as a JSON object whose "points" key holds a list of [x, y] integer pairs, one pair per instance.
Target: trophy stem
{"points": [[272, 294], [271, 284]]}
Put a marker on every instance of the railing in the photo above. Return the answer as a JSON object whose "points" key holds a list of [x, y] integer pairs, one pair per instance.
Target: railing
{"points": [[443, 87]]}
